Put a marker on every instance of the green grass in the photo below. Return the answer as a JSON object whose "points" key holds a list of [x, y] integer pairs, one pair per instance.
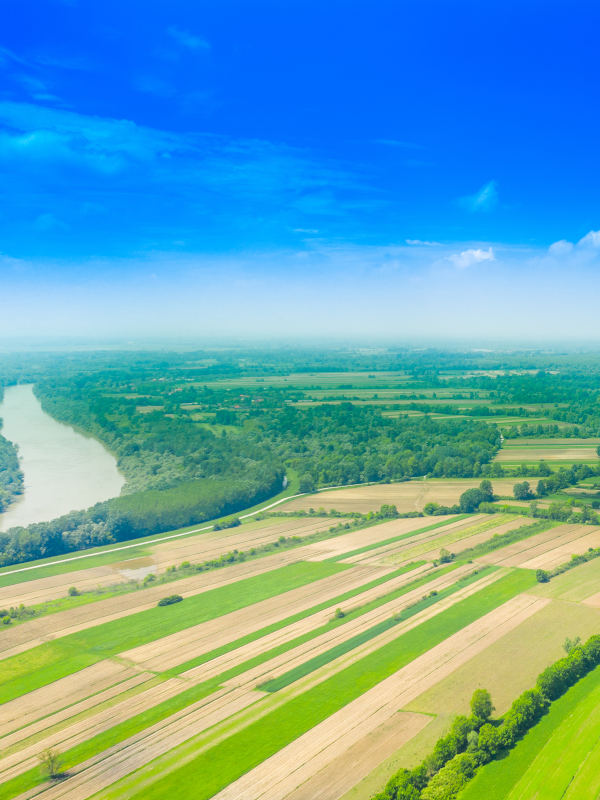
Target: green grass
{"points": [[50, 661], [341, 649], [398, 538], [215, 768], [558, 759]]}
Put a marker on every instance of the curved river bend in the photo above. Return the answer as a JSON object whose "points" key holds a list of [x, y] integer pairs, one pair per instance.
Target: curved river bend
{"points": [[64, 471]]}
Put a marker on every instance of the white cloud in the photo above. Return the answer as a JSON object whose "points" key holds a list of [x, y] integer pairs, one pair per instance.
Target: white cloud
{"points": [[468, 258], [560, 248], [485, 199], [591, 239], [186, 39], [422, 243], [563, 248]]}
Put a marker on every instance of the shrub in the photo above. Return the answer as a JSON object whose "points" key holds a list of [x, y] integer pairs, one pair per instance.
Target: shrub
{"points": [[168, 601], [73, 591]]}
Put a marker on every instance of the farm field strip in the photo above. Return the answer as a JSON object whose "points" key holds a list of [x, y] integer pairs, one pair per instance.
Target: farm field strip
{"points": [[518, 553], [407, 496], [55, 626], [80, 731], [343, 771], [66, 692], [41, 590], [262, 669], [62, 623], [561, 554], [377, 536], [276, 777], [428, 547], [103, 722], [375, 627], [97, 772], [423, 534]]}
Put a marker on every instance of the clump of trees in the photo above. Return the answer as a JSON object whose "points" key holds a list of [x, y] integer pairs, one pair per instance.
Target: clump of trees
{"points": [[170, 600], [475, 740]]}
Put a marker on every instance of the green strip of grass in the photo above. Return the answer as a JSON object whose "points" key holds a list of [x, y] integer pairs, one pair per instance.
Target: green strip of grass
{"points": [[313, 664], [393, 539], [212, 770], [50, 661], [543, 750]]}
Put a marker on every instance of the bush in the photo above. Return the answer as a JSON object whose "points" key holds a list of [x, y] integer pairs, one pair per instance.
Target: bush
{"points": [[73, 591], [542, 576], [168, 601]]}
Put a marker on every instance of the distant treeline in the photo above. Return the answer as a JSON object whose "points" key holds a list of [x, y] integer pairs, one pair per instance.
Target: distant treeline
{"points": [[11, 477]]}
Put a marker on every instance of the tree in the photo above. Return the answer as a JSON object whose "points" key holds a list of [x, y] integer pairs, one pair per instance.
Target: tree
{"points": [[522, 491], [489, 741], [487, 489], [470, 500], [571, 644], [542, 576], [307, 483], [481, 704], [51, 761]]}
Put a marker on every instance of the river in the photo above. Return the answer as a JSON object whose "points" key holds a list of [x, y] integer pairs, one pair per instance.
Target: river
{"points": [[63, 470]]}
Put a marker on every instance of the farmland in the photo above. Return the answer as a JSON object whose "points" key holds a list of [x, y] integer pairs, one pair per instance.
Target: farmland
{"points": [[257, 653], [326, 631]]}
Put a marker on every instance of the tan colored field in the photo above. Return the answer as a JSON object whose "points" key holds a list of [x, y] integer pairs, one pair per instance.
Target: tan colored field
{"points": [[569, 441], [511, 664], [408, 496], [547, 549], [551, 453]]}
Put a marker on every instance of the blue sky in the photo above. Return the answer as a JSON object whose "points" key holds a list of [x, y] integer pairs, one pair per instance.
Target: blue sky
{"points": [[299, 167]]}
